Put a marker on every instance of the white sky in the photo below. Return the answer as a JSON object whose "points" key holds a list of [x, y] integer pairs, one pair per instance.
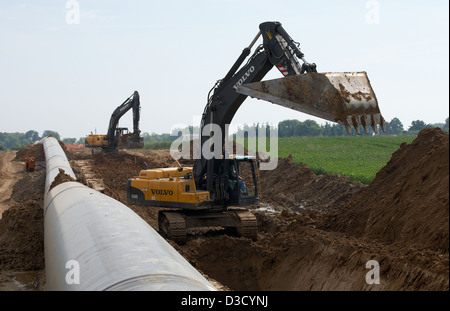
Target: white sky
{"points": [[70, 77]]}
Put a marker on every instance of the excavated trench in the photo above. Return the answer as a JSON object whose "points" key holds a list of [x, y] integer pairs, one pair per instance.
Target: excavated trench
{"points": [[315, 232]]}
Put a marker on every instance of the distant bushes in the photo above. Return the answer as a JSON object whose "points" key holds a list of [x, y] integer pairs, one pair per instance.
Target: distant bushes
{"points": [[157, 145]]}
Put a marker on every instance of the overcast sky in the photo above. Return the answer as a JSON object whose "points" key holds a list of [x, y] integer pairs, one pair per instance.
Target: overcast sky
{"points": [[58, 74]]}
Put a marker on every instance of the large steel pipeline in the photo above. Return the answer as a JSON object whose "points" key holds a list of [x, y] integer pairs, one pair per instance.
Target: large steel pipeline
{"points": [[94, 243]]}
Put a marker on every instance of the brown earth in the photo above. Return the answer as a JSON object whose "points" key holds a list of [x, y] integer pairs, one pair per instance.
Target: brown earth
{"points": [[21, 223], [408, 201], [62, 177], [400, 220], [315, 232], [298, 188], [8, 177], [35, 150]]}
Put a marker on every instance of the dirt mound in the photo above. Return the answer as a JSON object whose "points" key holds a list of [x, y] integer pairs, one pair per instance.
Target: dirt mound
{"points": [[408, 201], [116, 168], [34, 150], [141, 160], [298, 188], [62, 177], [22, 229], [37, 150], [400, 220], [22, 237], [30, 187], [300, 257], [79, 153]]}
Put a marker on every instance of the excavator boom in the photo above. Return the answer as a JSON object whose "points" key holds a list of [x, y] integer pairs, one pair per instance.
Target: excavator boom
{"points": [[115, 137], [346, 98]]}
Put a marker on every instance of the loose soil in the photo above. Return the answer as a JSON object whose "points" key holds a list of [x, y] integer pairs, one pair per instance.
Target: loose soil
{"points": [[408, 201], [315, 232], [21, 223], [8, 177], [62, 177], [297, 188], [34, 150]]}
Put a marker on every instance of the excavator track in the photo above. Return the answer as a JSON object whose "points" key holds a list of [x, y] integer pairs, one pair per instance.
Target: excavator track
{"points": [[248, 227], [172, 224]]}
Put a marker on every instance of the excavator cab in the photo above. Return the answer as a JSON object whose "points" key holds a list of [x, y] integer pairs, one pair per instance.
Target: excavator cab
{"points": [[235, 181], [127, 140], [243, 179]]}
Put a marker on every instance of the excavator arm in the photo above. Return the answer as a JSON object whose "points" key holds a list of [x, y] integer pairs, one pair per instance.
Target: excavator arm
{"points": [[279, 50], [344, 98], [212, 193]]}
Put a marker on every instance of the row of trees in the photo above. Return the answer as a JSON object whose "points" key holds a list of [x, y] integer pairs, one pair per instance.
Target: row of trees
{"points": [[286, 128], [16, 141], [310, 128]]}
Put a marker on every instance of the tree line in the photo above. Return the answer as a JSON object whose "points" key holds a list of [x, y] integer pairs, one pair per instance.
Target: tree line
{"points": [[310, 128], [16, 141], [286, 128]]}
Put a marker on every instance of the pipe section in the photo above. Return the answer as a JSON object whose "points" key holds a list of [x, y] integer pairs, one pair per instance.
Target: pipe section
{"points": [[95, 243], [55, 159]]}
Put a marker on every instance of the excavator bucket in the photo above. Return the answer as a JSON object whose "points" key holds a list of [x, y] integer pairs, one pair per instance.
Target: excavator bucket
{"points": [[131, 141], [342, 97]]}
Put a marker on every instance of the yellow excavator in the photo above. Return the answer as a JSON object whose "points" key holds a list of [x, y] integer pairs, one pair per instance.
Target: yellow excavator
{"points": [[213, 193], [119, 137]]}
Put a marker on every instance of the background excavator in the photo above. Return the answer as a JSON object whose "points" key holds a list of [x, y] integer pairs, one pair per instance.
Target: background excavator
{"points": [[118, 137], [211, 193]]}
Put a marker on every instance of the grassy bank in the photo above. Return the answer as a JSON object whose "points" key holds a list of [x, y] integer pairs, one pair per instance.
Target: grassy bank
{"points": [[359, 158]]}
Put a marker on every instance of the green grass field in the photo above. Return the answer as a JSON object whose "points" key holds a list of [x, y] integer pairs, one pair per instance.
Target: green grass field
{"points": [[359, 158]]}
